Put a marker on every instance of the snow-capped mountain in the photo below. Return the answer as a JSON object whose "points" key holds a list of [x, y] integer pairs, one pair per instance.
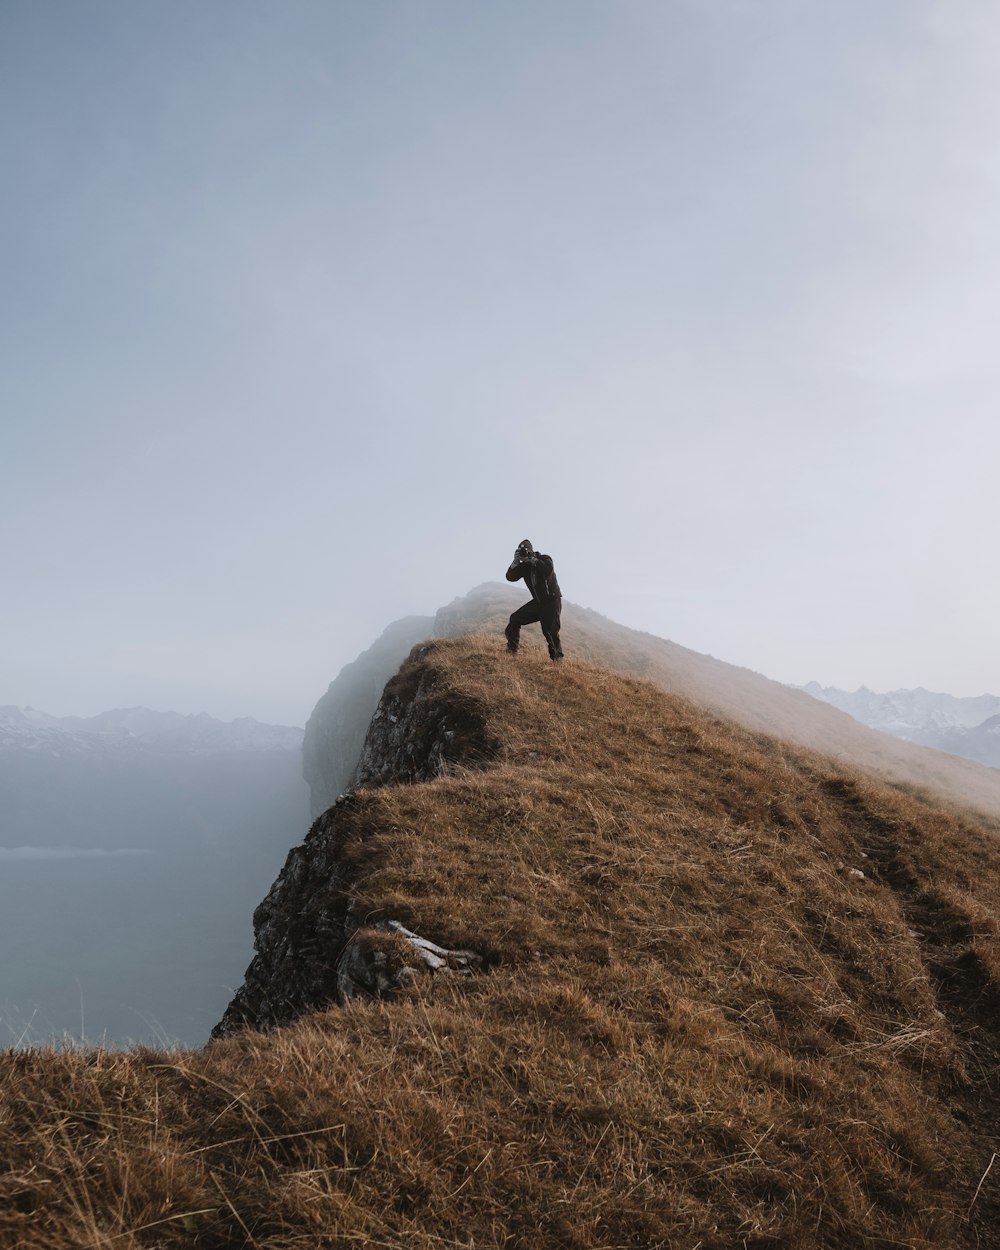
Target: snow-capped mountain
{"points": [[962, 726], [139, 729], [981, 743]]}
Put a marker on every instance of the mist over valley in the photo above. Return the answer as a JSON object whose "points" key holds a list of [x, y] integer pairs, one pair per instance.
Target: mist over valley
{"points": [[133, 846]]}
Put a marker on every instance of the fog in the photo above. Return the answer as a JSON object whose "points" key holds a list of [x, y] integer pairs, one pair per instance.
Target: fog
{"points": [[131, 860], [312, 311]]}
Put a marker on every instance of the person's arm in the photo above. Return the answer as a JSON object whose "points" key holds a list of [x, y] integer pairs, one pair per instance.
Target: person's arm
{"points": [[516, 570]]}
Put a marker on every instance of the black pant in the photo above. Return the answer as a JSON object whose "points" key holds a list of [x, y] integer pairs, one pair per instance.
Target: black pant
{"points": [[546, 612]]}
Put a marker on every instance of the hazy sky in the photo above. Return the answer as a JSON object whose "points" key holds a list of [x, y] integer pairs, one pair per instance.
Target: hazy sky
{"points": [[309, 312]]}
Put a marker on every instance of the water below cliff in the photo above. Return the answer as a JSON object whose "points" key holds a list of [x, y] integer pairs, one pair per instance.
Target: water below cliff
{"points": [[116, 946]]}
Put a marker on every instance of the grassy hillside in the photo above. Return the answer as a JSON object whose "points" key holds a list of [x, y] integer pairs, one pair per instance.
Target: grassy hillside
{"points": [[754, 701], [702, 1025]]}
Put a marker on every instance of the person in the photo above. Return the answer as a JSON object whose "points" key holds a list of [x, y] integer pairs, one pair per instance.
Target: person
{"points": [[546, 598]]}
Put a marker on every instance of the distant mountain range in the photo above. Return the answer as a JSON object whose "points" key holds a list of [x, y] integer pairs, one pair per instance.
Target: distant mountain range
{"points": [[969, 727], [139, 729]]}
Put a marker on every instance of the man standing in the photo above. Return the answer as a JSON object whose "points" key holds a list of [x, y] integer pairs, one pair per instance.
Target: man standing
{"points": [[546, 598]]}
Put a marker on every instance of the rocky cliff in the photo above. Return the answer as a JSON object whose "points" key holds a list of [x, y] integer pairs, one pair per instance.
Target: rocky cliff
{"points": [[312, 946], [714, 987]]}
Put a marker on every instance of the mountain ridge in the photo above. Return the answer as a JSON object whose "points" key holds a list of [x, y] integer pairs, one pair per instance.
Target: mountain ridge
{"points": [[336, 729], [489, 782], [614, 971], [140, 728], [935, 707]]}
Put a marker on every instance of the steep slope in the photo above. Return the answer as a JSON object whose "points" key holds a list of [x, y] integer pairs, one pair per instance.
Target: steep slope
{"points": [[692, 987]]}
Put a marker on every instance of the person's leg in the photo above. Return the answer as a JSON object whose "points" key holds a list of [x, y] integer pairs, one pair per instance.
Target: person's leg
{"points": [[550, 628], [523, 616]]}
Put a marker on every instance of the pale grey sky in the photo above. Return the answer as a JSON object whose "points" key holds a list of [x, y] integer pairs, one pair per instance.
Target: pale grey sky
{"points": [[310, 311]]}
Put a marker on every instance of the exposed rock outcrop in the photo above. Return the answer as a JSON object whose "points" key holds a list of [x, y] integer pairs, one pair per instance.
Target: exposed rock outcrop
{"points": [[371, 967], [300, 930], [416, 732]]}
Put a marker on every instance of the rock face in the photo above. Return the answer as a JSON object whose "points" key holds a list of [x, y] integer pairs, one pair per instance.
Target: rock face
{"points": [[300, 930], [415, 732], [311, 949]]}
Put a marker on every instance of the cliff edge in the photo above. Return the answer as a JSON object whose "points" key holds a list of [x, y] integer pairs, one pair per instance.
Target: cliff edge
{"points": [[576, 964], [754, 995]]}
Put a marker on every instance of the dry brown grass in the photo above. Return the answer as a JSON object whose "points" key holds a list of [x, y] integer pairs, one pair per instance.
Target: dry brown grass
{"points": [[700, 1028], [753, 701]]}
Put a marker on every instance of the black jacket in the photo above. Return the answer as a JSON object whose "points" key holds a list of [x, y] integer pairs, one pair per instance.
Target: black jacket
{"points": [[539, 576]]}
